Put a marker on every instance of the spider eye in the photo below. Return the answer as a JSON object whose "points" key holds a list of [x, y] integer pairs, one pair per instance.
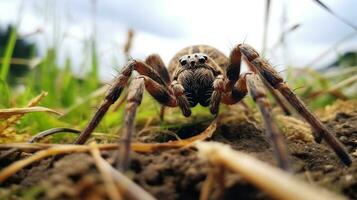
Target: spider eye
{"points": [[202, 60], [183, 62]]}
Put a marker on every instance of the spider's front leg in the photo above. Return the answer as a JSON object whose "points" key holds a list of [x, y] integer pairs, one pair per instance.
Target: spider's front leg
{"points": [[257, 92], [155, 61], [115, 90], [226, 90], [261, 66], [134, 98]]}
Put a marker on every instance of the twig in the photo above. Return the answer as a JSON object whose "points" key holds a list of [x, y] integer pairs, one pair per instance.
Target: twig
{"points": [[333, 47], [340, 72], [273, 181], [127, 186], [18, 165], [13, 119], [107, 178], [266, 25], [328, 9], [52, 131], [128, 44], [207, 185], [55, 149], [37, 137]]}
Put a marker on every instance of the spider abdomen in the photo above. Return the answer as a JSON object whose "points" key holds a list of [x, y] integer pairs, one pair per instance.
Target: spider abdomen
{"points": [[198, 85]]}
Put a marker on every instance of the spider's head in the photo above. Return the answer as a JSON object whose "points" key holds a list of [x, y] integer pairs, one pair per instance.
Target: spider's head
{"points": [[193, 60]]}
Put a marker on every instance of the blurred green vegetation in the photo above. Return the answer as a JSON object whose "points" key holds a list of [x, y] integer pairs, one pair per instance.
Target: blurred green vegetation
{"points": [[78, 98], [14, 50]]}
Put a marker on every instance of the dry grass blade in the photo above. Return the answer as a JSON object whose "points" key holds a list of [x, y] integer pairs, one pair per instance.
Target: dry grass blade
{"points": [[112, 190], [284, 34], [38, 137], [272, 180], [152, 147], [6, 113], [47, 150], [52, 131], [335, 90], [207, 186], [330, 49], [128, 44], [128, 187], [18, 165], [337, 72], [99, 92], [13, 119], [328, 9], [266, 23]]}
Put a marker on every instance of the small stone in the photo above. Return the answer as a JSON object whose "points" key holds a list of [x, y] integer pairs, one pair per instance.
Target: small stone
{"points": [[349, 177], [343, 138]]}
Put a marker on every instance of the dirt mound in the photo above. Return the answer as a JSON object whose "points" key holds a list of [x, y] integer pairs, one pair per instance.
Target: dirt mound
{"points": [[179, 174]]}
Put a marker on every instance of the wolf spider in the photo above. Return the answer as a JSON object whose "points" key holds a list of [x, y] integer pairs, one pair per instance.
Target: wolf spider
{"points": [[203, 75]]}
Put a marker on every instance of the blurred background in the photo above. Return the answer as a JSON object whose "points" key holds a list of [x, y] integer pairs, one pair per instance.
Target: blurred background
{"points": [[72, 49], [297, 31]]}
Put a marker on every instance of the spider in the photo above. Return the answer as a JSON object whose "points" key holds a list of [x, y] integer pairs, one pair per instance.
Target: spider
{"points": [[201, 74]]}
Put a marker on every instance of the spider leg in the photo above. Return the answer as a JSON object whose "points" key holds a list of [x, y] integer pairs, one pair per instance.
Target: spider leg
{"points": [[114, 92], [232, 73], [277, 98], [156, 62], [237, 93], [264, 69], [218, 89], [257, 91], [233, 69], [182, 101], [134, 98]]}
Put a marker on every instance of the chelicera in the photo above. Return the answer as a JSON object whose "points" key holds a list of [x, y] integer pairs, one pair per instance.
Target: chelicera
{"points": [[203, 75]]}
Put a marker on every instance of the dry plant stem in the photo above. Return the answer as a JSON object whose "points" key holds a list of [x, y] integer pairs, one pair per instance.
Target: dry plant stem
{"points": [[334, 73], [130, 189], [12, 120], [38, 137], [8, 153], [207, 185], [47, 150], [257, 91], [106, 176], [128, 44], [18, 165], [125, 184], [275, 182], [52, 131], [19, 112], [276, 81]]}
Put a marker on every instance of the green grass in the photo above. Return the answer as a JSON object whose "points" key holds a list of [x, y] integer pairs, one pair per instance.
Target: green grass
{"points": [[8, 54], [66, 90]]}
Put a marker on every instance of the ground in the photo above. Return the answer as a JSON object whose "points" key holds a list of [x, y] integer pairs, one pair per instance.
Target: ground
{"points": [[179, 173]]}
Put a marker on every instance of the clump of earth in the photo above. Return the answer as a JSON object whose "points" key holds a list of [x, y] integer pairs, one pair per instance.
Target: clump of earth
{"points": [[180, 173]]}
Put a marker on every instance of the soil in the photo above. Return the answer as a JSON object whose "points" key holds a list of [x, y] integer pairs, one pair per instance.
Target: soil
{"points": [[179, 173]]}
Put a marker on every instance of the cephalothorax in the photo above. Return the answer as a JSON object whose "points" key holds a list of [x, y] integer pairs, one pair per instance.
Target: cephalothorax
{"points": [[203, 75]]}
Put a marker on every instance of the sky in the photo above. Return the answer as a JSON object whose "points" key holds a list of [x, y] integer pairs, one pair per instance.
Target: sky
{"points": [[166, 26]]}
